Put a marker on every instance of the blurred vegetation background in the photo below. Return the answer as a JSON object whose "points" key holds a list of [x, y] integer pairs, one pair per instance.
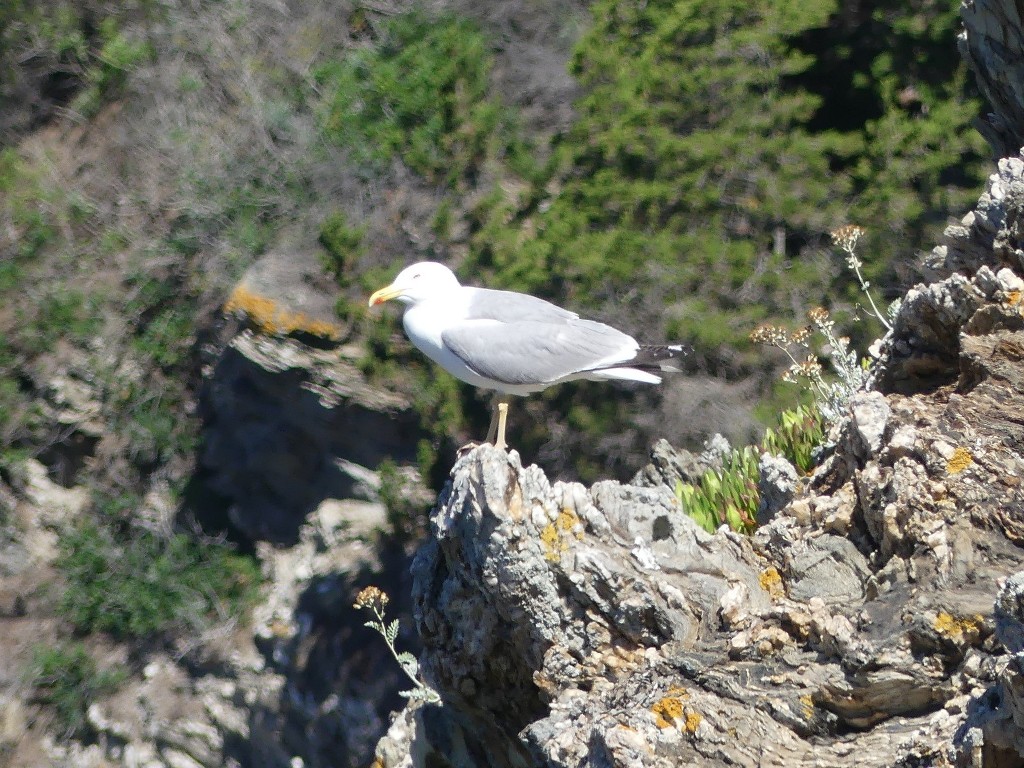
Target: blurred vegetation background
{"points": [[679, 179], [671, 167]]}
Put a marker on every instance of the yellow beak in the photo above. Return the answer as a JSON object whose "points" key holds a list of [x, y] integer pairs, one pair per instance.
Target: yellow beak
{"points": [[385, 294]]}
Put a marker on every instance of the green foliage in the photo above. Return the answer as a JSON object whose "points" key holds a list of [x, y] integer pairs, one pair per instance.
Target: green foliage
{"points": [[26, 208], [81, 48], [167, 337], [135, 583], [688, 153], [343, 244], [64, 313], [150, 415], [709, 160], [421, 93], [798, 433], [730, 494], [107, 72], [66, 679], [438, 397], [727, 495], [405, 518], [11, 399]]}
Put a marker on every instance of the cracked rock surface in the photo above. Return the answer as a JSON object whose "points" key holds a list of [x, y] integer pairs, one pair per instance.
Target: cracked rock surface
{"points": [[874, 619]]}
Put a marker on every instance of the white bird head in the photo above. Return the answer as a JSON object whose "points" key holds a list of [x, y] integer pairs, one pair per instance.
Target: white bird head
{"points": [[424, 280]]}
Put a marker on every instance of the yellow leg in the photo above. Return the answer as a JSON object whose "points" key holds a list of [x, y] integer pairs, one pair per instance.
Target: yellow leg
{"points": [[500, 444], [492, 430]]}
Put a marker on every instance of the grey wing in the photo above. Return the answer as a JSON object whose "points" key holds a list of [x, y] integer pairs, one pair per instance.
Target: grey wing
{"points": [[535, 352], [511, 307]]}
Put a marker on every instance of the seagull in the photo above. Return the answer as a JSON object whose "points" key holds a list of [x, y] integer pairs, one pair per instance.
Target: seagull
{"points": [[514, 343]]}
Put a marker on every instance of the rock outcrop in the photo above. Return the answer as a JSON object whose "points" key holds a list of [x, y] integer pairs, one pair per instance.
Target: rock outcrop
{"points": [[289, 425], [874, 620]]}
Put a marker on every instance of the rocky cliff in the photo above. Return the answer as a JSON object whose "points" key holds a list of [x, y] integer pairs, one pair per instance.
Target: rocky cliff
{"points": [[875, 620], [567, 626]]}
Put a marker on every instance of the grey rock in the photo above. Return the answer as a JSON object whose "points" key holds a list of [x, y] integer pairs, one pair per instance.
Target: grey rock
{"points": [[670, 465], [870, 418], [777, 485], [289, 425], [1009, 613], [554, 641], [827, 567], [715, 449]]}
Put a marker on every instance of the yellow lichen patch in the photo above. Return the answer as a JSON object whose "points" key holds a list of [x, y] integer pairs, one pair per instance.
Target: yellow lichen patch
{"points": [[808, 706], [568, 521], [1014, 298], [693, 720], [670, 711], [961, 630], [553, 544], [959, 461], [771, 582], [553, 535], [274, 320], [667, 711]]}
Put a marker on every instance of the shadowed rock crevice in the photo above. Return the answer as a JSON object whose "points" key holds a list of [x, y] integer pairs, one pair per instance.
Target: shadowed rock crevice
{"points": [[288, 426]]}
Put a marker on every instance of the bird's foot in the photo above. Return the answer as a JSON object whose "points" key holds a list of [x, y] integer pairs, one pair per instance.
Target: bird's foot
{"points": [[472, 445]]}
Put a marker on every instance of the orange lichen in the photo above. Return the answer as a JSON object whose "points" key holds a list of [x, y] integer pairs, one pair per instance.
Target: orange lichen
{"points": [[693, 721], [959, 461], [808, 705], [568, 521], [667, 711], [771, 582], [670, 711], [553, 534], [1014, 298], [272, 319], [961, 630]]}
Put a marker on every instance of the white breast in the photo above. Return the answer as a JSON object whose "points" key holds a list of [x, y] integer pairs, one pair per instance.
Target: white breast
{"points": [[424, 324]]}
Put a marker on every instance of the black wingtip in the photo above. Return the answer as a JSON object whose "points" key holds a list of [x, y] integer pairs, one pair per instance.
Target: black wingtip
{"points": [[659, 356]]}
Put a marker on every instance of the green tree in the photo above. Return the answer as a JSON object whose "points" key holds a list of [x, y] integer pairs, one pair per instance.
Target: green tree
{"points": [[712, 155]]}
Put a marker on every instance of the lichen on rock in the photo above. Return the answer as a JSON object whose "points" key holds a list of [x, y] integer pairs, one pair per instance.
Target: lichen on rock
{"points": [[854, 627]]}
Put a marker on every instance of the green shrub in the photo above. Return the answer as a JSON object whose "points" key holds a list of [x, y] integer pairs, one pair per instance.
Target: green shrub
{"points": [[730, 494], [796, 436], [406, 519], [107, 72], [167, 337], [727, 495], [343, 245], [66, 679], [712, 154], [144, 585], [25, 204], [422, 94], [153, 417], [64, 313]]}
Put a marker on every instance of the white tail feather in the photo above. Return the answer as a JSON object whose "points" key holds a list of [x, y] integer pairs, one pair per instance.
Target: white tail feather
{"points": [[624, 374]]}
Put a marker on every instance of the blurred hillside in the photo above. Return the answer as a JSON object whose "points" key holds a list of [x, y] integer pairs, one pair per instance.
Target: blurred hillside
{"points": [[668, 167], [671, 167]]}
